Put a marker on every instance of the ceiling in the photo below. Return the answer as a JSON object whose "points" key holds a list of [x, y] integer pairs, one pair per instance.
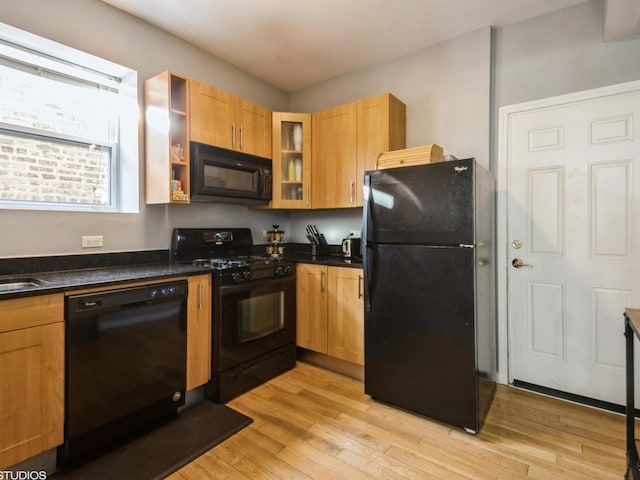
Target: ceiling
{"points": [[296, 43]]}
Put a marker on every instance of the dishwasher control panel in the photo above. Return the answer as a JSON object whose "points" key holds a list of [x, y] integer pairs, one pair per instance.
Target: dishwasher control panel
{"points": [[110, 300]]}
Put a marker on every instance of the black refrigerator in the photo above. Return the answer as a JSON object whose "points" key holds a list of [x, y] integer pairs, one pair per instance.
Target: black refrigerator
{"points": [[430, 322]]}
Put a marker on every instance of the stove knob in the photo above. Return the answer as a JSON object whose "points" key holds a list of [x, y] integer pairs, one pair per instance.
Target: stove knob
{"points": [[246, 275], [279, 272], [287, 269], [237, 277]]}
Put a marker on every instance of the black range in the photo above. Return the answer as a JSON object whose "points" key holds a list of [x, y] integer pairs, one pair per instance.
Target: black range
{"points": [[254, 308]]}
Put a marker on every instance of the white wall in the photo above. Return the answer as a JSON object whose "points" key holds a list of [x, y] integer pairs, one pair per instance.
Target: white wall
{"points": [[560, 53], [99, 29], [335, 224], [447, 88]]}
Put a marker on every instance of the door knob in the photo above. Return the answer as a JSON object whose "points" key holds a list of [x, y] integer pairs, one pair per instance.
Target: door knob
{"points": [[518, 263]]}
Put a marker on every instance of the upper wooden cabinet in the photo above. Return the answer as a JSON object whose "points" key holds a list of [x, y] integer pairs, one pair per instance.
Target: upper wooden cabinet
{"points": [[167, 138], [224, 120], [347, 140], [32, 373], [255, 128], [212, 115], [381, 127], [334, 157], [291, 160], [325, 170]]}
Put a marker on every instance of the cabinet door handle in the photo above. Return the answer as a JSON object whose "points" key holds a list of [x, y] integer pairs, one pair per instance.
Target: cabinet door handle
{"points": [[360, 280], [308, 195], [241, 136], [233, 135], [200, 296], [321, 281], [351, 188]]}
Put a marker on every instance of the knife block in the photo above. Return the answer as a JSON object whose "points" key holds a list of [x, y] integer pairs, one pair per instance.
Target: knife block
{"points": [[320, 249]]}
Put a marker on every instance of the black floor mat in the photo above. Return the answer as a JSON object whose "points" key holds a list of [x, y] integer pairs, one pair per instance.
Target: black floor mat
{"points": [[166, 449]]}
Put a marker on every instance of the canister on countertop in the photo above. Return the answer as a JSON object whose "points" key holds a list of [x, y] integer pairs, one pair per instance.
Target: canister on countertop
{"points": [[275, 238]]}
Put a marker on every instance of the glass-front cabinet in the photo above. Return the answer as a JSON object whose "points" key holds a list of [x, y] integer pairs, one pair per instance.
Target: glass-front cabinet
{"points": [[291, 160]]}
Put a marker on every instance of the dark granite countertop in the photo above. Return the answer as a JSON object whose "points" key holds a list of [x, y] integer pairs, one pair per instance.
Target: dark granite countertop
{"points": [[69, 280], [74, 272], [301, 253], [332, 260]]}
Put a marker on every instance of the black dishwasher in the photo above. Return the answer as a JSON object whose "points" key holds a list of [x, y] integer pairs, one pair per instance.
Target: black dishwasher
{"points": [[125, 365]]}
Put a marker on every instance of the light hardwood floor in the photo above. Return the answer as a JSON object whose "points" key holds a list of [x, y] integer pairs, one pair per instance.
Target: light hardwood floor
{"points": [[311, 423]]}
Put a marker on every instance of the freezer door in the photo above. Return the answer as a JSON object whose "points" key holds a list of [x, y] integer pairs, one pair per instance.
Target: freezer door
{"points": [[424, 204], [420, 331]]}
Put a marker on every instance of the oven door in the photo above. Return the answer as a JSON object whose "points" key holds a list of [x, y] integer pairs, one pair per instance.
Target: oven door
{"points": [[252, 319]]}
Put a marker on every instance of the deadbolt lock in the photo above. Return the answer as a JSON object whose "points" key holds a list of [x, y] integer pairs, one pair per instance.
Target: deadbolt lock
{"points": [[517, 244]]}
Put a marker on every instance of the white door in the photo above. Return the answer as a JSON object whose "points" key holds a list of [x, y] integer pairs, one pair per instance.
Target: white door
{"points": [[571, 166]]}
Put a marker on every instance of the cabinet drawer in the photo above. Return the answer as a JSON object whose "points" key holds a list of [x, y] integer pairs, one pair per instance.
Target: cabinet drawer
{"points": [[31, 311]]}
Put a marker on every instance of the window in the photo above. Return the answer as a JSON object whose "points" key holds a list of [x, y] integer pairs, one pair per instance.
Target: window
{"points": [[68, 128]]}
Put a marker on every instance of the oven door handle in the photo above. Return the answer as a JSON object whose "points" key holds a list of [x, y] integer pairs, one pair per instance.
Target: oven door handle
{"points": [[273, 282]]}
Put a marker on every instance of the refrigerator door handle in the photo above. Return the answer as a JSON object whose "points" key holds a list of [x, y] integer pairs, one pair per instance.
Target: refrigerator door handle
{"points": [[366, 254], [366, 210]]}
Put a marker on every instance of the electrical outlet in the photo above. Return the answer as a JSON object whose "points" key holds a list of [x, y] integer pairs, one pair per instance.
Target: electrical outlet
{"points": [[264, 234], [93, 241]]}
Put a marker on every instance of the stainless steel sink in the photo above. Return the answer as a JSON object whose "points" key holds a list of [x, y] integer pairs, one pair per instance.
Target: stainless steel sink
{"points": [[22, 283]]}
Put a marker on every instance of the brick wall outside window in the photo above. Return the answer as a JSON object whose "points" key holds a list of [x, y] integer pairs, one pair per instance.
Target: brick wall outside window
{"points": [[33, 169], [68, 128]]}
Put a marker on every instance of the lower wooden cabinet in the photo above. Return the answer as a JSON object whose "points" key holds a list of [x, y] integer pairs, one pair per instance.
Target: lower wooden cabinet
{"points": [[32, 367], [311, 306], [32, 376], [199, 331], [345, 319], [330, 311]]}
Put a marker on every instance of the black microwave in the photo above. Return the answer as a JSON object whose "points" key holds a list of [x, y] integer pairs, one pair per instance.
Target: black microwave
{"points": [[229, 176]]}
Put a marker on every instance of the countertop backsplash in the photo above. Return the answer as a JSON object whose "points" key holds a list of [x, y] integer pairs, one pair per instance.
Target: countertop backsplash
{"points": [[28, 265]]}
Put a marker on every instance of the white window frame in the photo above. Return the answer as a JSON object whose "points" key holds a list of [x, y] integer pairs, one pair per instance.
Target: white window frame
{"points": [[64, 60]]}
